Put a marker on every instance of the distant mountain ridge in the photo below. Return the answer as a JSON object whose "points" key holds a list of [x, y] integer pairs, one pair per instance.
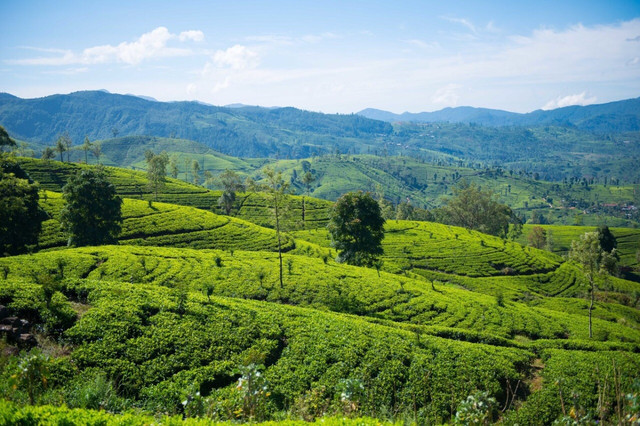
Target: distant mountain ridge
{"points": [[245, 131], [612, 117]]}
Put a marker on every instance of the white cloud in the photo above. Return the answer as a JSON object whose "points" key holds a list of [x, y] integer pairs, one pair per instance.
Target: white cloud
{"points": [[151, 45], [237, 57], [447, 95], [564, 101], [461, 21], [422, 44], [194, 35]]}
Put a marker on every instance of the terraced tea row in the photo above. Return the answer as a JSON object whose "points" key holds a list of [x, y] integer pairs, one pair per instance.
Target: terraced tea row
{"points": [[160, 224], [311, 282], [628, 239], [161, 345], [424, 245], [254, 207]]}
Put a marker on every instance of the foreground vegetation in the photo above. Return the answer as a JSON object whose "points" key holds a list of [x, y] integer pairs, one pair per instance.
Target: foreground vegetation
{"points": [[208, 317]]}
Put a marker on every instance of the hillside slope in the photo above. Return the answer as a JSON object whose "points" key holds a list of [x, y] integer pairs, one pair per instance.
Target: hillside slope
{"points": [[612, 117]]}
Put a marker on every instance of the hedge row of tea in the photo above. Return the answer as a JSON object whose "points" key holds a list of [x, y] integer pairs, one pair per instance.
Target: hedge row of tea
{"points": [[628, 239], [157, 347], [309, 281], [254, 207], [160, 224], [14, 414], [410, 245]]}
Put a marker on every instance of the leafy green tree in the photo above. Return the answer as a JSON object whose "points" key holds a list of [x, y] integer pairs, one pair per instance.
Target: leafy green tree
{"points": [[156, 170], [307, 180], [48, 153], [86, 147], [587, 252], [173, 167], [195, 166], [231, 183], [475, 208], [5, 139], [20, 215], [64, 140], [276, 188], [537, 237], [97, 151], [92, 211], [60, 147], [607, 240], [357, 228], [404, 211]]}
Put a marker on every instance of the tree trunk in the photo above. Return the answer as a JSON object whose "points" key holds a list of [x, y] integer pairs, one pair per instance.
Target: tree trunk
{"points": [[86, 159], [303, 212], [590, 309], [279, 242]]}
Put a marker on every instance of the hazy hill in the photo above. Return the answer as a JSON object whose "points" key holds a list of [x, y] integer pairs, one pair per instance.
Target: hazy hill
{"points": [[612, 117], [247, 132], [551, 144]]}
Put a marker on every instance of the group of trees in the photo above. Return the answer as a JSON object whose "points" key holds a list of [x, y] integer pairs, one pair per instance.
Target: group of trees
{"points": [[20, 214], [63, 144], [91, 214]]}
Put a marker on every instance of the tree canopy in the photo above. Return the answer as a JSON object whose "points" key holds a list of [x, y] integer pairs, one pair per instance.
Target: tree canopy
{"points": [[357, 228], [5, 139], [231, 183], [20, 216], [156, 170], [475, 208], [92, 211]]}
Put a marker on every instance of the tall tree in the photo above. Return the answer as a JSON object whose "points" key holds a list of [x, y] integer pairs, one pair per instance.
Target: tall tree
{"points": [[475, 208], [156, 170], [97, 152], [276, 189], [537, 237], [173, 167], [20, 215], [195, 166], [357, 228], [231, 183], [48, 153], [608, 241], [66, 140], [92, 211], [5, 139], [307, 180], [86, 146], [587, 252], [60, 148]]}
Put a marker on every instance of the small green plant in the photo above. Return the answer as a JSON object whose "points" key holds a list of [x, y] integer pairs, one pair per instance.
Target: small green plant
{"points": [[290, 266], [218, 261], [351, 394], [194, 404], [254, 390], [30, 374], [477, 409]]}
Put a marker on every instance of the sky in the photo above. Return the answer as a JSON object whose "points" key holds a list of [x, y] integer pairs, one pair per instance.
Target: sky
{"points": [[325, 55]]}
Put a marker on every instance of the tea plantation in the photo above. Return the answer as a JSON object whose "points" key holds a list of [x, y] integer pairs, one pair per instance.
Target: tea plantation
{"points": [[254, 207], [186, 321]]}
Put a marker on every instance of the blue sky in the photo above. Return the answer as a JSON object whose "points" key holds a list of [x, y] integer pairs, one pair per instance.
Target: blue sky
{"points": [[329, 56]]}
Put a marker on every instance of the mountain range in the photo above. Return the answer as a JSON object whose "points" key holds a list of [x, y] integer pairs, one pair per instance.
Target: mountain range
{"points": [[573, 141], [613, 117]]}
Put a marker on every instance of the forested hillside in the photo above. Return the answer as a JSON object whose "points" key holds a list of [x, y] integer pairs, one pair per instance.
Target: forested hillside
{"points": [[557, 145]]}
